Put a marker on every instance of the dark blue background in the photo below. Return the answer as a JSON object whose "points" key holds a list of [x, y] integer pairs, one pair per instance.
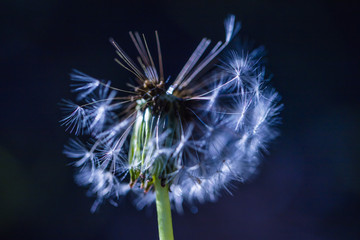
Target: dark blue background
{"points": [[307, 188]]}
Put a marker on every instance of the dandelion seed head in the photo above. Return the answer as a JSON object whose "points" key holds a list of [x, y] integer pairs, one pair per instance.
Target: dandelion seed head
{"points": [[198, 133]]}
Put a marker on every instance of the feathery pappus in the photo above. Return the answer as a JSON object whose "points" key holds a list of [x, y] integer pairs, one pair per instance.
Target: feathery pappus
{"points": [[197, 133]]}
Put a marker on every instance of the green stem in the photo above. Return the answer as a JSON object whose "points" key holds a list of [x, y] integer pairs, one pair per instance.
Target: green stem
{"points": [[163, 211]]}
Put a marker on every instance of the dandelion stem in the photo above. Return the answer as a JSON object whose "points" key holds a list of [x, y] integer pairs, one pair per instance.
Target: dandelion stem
{"points": [[163, 211]]}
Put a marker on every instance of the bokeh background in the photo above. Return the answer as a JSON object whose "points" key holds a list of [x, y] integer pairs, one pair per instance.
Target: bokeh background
{"points": [[308, 186]]}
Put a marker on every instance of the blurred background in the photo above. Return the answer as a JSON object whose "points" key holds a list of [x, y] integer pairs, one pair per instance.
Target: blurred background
{"points": [[308, 187]]}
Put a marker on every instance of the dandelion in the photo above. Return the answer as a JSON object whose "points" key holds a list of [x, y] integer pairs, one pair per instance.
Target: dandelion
{"points": [[172, 141]]}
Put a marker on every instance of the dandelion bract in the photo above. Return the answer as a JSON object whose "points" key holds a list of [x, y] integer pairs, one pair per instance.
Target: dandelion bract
{"points": [[195, 134]]}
